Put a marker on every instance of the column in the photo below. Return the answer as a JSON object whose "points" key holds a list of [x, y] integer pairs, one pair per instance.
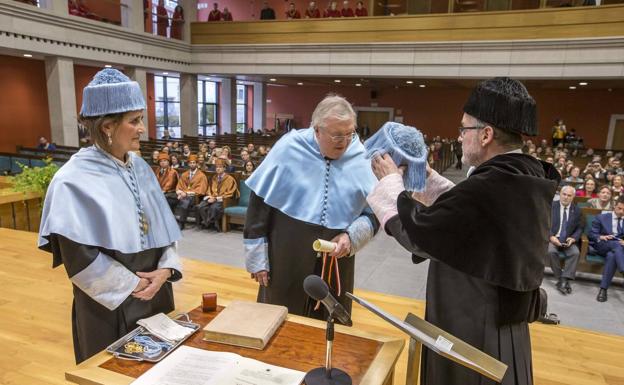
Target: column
{"points": [[227, 102], [62, 101], [140, 76], [132, 15], [259, 106], [190, 15], [188, 104]]}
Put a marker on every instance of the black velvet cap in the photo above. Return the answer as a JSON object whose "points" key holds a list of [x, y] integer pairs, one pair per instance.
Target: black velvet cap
{"points": [[504, 103]]}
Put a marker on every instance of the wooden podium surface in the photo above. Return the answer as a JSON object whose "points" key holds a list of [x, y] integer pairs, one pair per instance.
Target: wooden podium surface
{"points": [[298, 344]]}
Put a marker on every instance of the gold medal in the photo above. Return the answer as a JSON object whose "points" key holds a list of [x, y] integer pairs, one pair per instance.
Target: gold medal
{"points": [[133, 347]]}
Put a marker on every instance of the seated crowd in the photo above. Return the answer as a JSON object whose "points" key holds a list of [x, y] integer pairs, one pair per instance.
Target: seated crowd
{"points": [[595, 182]]}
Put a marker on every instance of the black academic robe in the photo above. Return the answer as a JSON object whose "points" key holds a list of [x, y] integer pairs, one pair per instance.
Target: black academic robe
{"points": [[292, 259], [486, 239], [94, 327]]}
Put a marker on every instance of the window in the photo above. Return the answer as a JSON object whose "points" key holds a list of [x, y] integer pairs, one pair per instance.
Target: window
{"points": [[167, 91], [241, 108], [207, 108]]}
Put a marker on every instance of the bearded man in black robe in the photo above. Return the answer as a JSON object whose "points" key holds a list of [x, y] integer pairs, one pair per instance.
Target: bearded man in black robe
{"points": [[485, 237]]}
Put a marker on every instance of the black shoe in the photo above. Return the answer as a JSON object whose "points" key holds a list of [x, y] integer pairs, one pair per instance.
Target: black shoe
{"points": [[602, 295], [561, 286], [568, 288], [181, 225]]}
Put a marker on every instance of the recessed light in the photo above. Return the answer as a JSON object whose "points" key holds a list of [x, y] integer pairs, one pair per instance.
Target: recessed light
{"points": [[165, 73], [272, 79], [299, 84], [337, 81], [358, 85], [422, 86], [572, 87], [409, 82], [582, 83], [27, 55], [108, 66]]}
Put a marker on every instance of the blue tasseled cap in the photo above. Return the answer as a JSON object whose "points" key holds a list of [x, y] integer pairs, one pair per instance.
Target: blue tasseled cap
{"points": [[111, 92], [406, 146]]}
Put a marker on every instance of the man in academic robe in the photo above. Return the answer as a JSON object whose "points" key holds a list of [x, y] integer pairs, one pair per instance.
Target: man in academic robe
{"points": [[220, 188], [226, 15], [191, 188], [177, 24], [267, 12], [312, 12], [332, 11], [215, 14], [312, 185], [292, 12], [162, 19], [167, 179], [346, 11], [486, 237], [360, 11]]}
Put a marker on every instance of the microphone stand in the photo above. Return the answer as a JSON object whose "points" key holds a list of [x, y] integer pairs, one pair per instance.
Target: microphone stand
{"points": [[328, 375]]}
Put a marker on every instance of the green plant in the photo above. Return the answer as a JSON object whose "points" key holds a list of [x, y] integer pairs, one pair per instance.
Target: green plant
{"points": [[34, 179]]}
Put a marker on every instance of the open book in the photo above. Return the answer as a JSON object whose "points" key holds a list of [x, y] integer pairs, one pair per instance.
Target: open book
{"points": [[192, 366], [247, 324]]}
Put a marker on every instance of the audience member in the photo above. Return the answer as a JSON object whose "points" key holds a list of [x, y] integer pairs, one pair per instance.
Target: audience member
{"points": [[605, 237], [215, 14], [312, 12], [177, 22], [292, 12], [558, 132], [332, 11], [211, 145], [565, 232], [167, 179], [166, 135], [252, 149], [77, 8], [244, 154], [360, 11], [221, 187], [226, 15], [175, 162], [616, 189], [162, 19], [346, 10], [186, 151], [248, 168], [603, 202], [155, 161], [45, 145], [191, 188], [574, 179], [267, 12], [589, 189]]}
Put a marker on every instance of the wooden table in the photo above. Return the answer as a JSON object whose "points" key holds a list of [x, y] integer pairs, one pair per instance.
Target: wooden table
{"points": [[298, 344]]}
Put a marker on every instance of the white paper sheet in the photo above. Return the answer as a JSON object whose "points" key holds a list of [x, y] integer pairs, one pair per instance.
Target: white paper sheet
{"points": [[192, 366]]}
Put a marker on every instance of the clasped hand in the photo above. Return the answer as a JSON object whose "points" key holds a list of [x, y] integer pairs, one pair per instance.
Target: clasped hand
{"points": [[150, 283]]}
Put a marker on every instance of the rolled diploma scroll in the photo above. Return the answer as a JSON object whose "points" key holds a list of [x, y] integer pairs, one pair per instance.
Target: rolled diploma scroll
{"points": [[324, 246]]}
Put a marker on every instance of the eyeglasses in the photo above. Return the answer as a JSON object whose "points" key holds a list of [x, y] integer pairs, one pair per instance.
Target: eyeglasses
{"points": [[342, 138], [462, 129]]}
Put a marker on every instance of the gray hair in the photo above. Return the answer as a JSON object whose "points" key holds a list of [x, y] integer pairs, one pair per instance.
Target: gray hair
{"points": [[333, 106], [569, 188]]}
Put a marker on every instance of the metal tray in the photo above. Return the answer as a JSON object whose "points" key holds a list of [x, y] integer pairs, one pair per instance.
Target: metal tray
{"points": [[118, 350]]}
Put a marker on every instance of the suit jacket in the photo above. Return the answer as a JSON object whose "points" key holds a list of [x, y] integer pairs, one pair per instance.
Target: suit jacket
{"points": [[602, 225], [574, 228]]}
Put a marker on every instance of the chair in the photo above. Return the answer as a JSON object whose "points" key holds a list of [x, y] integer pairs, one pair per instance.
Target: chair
{"points": [[5, 164], [587, 251], [236, 214]]}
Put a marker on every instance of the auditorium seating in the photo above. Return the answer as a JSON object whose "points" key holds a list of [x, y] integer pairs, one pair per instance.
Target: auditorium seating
{"points": [[236, 214]]}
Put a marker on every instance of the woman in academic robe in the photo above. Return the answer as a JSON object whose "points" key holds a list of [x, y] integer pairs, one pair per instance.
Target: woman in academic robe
{"points": [[106, 220], [221, 187], [177, 22], [162, 19]]}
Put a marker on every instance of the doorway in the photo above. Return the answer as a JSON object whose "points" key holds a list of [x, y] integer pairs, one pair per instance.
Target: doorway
{"points": [[615, 138], [370, 119]]}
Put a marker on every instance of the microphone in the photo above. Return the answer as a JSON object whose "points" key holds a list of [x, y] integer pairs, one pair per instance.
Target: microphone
{"points": [[316, 288]]}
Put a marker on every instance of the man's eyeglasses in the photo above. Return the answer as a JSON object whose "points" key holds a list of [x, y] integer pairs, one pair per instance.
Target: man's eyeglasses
{"points": [[462, 129], [342, 138]]}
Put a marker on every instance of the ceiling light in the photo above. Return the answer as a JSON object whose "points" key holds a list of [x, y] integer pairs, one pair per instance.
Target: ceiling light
{"points": [[337, 81], [572, 87], [108, 66], [358, 85], [582, 83], [409, 82], [299, 84], [272, 79], [422, 86], [27, 55]]}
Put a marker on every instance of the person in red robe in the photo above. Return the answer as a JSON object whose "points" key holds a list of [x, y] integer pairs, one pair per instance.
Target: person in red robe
{"points": [[76, 8], [215, 14], [292, 12], [177, 22], [346, 10], [226, 15], [162, 18], [312, 12], [360, 11], [332, 11]]}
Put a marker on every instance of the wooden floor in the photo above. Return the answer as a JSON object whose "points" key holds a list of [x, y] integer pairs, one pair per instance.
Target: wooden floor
{"points": [[35, 330]]}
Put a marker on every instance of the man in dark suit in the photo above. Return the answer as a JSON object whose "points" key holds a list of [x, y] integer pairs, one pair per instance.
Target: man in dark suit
{"points": [[606, 238], [565, 232]]}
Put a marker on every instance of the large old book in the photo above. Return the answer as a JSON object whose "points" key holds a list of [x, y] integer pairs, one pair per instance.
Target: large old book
{"points": [[247, 324]]}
